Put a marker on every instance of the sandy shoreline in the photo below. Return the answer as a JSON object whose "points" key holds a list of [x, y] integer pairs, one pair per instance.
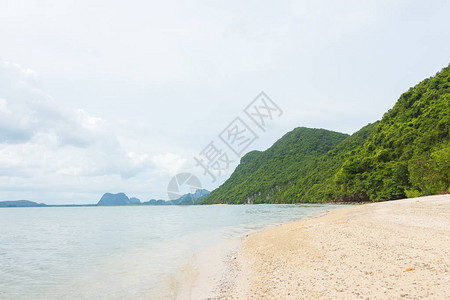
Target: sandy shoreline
{"points": [[389, 250]]}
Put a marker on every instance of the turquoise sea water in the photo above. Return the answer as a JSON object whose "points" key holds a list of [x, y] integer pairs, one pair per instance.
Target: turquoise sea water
{"points": [[123, 252]]}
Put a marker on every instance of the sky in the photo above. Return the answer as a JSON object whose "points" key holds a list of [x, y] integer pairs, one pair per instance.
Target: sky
{"points": [[120, 96]]}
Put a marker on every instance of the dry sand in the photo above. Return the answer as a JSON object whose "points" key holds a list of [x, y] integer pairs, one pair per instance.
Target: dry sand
{"points": [[389, 250]]}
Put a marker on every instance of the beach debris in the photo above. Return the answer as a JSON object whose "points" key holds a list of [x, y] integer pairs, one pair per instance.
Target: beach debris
{"points": [[409, 269]]}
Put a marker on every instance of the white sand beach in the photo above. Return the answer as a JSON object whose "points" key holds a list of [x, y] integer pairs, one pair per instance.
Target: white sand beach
{"points": [[388, 250]]}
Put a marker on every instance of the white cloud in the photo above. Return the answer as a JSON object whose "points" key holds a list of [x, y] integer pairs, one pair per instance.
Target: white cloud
{"points": [[112, 91], [138, 159], [26, 111], [4, 106], [38, 136], [169, 163]]}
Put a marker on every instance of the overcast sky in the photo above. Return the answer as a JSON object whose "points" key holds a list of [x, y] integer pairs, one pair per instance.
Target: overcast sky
{"points": [[119, 96]]}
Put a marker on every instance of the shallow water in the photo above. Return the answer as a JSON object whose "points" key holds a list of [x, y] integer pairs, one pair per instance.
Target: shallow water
{"points": [[132, 252]]}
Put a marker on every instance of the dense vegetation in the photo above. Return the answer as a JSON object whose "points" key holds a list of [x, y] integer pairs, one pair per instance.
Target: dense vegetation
{"points": [[261, 176], [406, 154]]}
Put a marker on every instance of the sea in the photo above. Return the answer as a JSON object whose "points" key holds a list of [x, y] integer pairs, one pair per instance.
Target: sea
{"points": [[121, 252]]}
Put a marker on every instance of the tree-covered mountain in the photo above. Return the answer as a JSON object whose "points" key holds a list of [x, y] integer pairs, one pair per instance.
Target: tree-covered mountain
{"points": [[263, 177], [406, 153]]}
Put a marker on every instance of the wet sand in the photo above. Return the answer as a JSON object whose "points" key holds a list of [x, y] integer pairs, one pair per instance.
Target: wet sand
{"points": [[390, 250]]}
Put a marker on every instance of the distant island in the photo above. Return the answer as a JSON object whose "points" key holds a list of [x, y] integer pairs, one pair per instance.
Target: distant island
{"points": [[187, 199], [21, 203], [109, 199], [115, 199]]}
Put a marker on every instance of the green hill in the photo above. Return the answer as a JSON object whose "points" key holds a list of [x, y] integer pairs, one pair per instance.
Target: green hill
{"points": [[408, 154], [261, 176], [405, 154]]}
